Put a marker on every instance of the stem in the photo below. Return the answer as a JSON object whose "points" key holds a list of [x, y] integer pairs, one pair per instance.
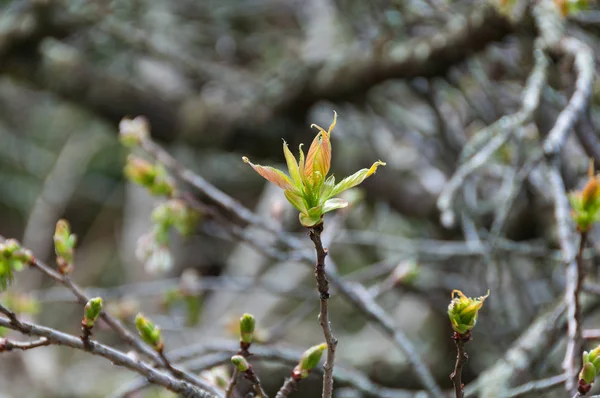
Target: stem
{"points": [[288, 387], [175, 372], [323, 288], [86, 333], [461, 360], [250, 375], [232, 383]]}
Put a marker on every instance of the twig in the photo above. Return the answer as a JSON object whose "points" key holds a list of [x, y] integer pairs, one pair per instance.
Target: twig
{"points": [[9, 345], [461, 360], [504, 129], [323, 288], [114, 323], [250, 375], [355, 293], [537, 386], [289, 386], [562, 215], [175, 372], [56, 337], [232, 383]]}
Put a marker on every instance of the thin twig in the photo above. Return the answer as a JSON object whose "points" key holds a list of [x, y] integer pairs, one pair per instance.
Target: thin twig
{"points": [[232, 383], [250, 375], [537, 386], [56, 337], [114, 323], [323, 288], [9, 345], [289, 386], [461, 360]]}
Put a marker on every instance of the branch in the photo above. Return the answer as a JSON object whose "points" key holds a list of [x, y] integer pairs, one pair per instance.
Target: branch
{"points": [[323, 288], [461, 360], [9, 345], [56, 337], [495, 135], [289, 386], [354, 293], [537, 386]]}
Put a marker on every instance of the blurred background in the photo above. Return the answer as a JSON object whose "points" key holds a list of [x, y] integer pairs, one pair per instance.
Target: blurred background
{"points": [[411, 81]]}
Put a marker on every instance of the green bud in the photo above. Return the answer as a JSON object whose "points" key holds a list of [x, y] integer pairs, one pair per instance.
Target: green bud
{"points": [[64, 245], [133, 131], [10, 247], [463, 311], [588, 373], [92, 311], [310, 359], [162, 185], [247, 324], [240, 363], [149, 332]]}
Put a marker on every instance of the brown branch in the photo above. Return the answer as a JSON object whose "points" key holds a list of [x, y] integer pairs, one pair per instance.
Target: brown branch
{"points": [[289, 386], [323, 288], [461, 360]]}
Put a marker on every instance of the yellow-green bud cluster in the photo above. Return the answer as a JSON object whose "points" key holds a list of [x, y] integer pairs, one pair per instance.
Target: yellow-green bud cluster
{"points": [[310, 359], [13, 258], [150, 176], [463, 311], [64, 246], [240, 363], [247, 325], [149, 332], [92, 311]]}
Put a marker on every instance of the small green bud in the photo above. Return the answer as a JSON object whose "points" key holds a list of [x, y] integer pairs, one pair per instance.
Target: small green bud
{"points": [[64, 245], [13, 258], [10, 247], [92, 311], [140, 171], [149, 332], [310, 359], [162, 185], [240, 363], [463, 311], [588, 373], [247, 325], [133, 131]]}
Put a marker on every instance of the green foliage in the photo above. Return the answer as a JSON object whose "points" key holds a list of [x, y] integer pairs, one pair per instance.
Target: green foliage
{"points": [[307, 187]]}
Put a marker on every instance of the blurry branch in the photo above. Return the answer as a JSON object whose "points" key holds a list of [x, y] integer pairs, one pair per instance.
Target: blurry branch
{"points": [[537, 386], [56, 337], [566, 237], [487, 141], [348, 75]]}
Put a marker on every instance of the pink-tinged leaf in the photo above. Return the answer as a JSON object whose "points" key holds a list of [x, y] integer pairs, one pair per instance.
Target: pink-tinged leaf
{"points": [[271, 174], [319, 153], [334, 204], [356, 178]]}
